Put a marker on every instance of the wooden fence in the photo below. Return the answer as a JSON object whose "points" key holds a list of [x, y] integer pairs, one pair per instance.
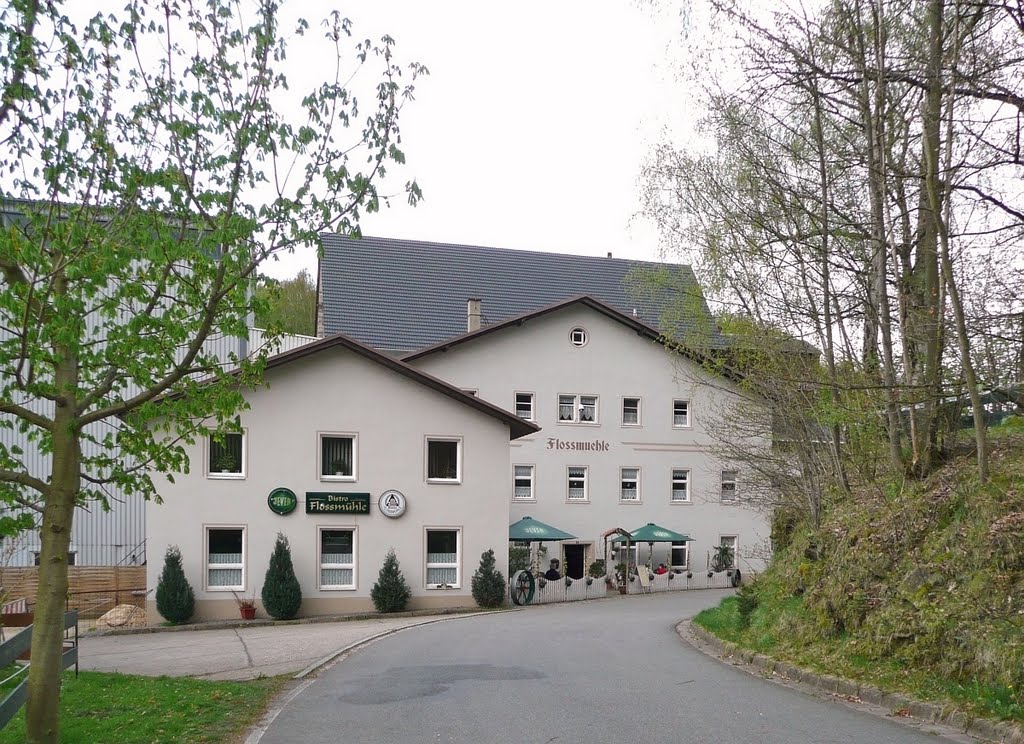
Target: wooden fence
{"points": [[92, 590]]}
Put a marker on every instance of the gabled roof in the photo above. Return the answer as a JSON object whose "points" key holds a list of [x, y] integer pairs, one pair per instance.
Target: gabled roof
{"points": [[605, 309], [641, 329], [402, 295], [517, 426]]}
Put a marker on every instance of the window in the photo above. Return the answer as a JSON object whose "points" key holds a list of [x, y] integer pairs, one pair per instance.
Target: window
{"points": [[630, 411], [731, 542], [72, 558], [577, 484], [680, 485], [226, 456], [337, 457], [524, 406], [578, 337], [444, 460], [630, 484], [523, 487], [728, 485], [337, 559], [225, 558], [680, 555], [580, 409], [443, 558], [680, 413]]}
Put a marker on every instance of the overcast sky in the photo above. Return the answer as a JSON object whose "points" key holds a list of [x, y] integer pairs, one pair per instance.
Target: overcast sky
{"points": [[532, 127]]}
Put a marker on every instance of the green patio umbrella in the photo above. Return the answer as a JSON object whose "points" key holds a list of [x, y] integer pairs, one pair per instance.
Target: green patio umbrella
{"points": [[651, 532], [533, 530]]}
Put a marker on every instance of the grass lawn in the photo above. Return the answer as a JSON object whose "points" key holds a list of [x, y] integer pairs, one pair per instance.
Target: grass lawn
{"points": [[842, 657], [104, 707]]}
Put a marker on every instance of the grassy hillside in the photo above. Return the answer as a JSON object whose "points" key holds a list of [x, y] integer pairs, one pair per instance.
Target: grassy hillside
{"points": [[913, 586]]}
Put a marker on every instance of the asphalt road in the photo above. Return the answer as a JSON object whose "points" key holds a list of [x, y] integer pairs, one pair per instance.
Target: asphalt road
{"points": [[606, 671]]}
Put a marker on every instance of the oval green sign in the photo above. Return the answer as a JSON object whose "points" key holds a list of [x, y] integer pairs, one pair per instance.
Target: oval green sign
{"points": [[282, 501]]}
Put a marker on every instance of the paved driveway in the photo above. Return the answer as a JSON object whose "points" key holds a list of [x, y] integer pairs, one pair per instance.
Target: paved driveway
{"points": [[606, 671]]}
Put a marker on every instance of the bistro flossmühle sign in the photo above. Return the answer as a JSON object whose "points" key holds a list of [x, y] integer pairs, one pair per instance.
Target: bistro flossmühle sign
{"points": [[337, 503]]}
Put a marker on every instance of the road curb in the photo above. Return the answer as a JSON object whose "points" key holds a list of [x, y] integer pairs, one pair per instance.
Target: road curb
{"points": [[949, 715], [267, 623]]}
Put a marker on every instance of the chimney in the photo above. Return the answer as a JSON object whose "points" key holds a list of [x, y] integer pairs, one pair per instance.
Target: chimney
{"points": [[472, 314], [609, 254]]}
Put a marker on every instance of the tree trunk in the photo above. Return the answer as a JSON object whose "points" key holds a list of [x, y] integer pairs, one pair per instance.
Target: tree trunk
{"points": [[42, 708], [942, 210], [42, 712], [927, 318]]}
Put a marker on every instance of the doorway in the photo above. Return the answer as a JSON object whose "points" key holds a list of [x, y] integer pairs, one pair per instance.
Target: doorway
{"points": [[575, 560]]}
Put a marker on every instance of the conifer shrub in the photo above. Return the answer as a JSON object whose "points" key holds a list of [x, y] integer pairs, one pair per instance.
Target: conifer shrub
{"points": [[175, 600], [488, 583], [281, 594], [390, 593]]}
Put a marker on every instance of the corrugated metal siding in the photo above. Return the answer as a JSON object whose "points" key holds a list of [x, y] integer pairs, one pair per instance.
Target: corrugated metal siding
{"points": [[101, 537]]}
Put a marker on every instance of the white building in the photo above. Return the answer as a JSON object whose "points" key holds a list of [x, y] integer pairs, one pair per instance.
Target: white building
{"points": [[344, 433], [573, 343], [625, 438]]}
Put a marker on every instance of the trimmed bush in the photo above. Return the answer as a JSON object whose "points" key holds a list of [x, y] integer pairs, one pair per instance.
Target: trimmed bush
{"points": [[390, 593], [281, 594], [488, 583], [175, 600]]}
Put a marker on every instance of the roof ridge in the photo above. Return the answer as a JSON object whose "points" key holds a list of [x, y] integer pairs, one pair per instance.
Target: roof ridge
{"points": [[501, 249]]}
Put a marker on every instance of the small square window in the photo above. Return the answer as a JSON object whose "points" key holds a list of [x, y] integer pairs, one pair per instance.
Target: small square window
{"points": [[630, 411], [225, 558], [680, 485], [728, 485], [443, 559], [524, 406], [337, 457], [226, 455], [444, 460], [680, 413], [337, 559], [578, 337], [630, 484], [523, 482]]}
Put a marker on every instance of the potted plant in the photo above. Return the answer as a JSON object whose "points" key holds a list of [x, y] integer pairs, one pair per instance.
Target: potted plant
{"points": [[620, 577], [339, 467], [225, 463], [568, 581], [246, 606]]}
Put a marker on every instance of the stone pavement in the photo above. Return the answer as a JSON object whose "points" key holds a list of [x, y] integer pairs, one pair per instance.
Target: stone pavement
{"points": [[238, 652]]}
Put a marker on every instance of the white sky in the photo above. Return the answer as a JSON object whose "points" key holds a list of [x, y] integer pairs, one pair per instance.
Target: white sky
{"points": [[532, 126]]}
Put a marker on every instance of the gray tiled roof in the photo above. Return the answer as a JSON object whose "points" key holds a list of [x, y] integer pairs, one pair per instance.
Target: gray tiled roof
{"points": [[402, 295]]}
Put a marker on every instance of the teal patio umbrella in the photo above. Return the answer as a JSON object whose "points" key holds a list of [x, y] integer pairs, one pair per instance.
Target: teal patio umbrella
{"points": [[533, 530], [651, 533]]}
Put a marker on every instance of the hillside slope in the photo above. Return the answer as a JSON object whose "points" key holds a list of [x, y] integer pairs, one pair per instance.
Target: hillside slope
{"points": [[914, 586]]}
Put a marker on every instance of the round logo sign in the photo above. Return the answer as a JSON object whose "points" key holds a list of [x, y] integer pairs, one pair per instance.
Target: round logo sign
{"points": [[282, 501], [391, 504]]}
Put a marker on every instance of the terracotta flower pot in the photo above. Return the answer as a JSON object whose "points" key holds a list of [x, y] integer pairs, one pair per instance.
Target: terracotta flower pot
{"points": [[248, 613]]}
